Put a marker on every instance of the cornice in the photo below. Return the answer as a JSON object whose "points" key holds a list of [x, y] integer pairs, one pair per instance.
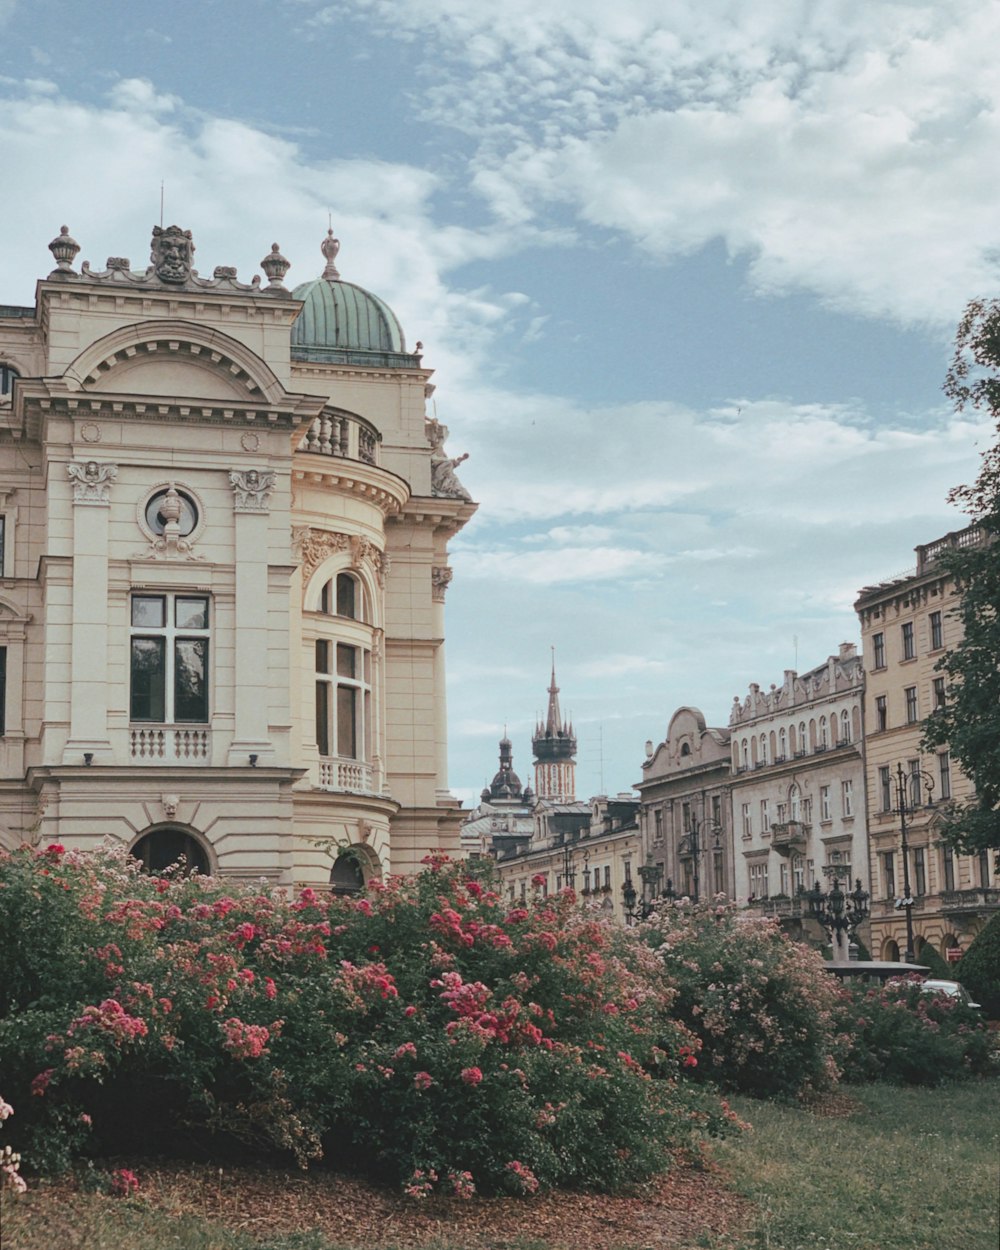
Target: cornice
{"points": [[387, 491]]}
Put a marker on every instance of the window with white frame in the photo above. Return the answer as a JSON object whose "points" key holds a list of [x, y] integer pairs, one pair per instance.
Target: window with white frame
{"points": [[803, 740], [940, 698], [169, 655], [783, 876], [912, 714], [881, 713], [795, 802], [847, 797], [343, 700], [765, 816], [798, 872], [783, 743], [824, 803], [909, 648], [747, 821], [885, 788], [845, 726], [758, 880], [878, 650]]}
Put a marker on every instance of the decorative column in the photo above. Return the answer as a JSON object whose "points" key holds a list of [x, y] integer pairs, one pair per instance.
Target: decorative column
{"points": [[251, 491], [441, 576], [88, 734]]}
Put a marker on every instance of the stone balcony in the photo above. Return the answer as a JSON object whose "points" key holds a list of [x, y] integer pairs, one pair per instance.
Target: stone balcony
{"points": [[958, 902], [346, 776], [783, 908], [789, 838], [170, 744], [344, 435]]}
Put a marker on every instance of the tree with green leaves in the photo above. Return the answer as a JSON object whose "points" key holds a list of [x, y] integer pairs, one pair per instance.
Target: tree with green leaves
{"points": [[969, 722]]}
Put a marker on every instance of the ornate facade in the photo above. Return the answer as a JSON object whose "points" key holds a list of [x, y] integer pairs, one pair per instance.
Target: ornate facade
{"points": [[224, 521], [907, 624], [797, 791], [554, 746], [685, 807]]}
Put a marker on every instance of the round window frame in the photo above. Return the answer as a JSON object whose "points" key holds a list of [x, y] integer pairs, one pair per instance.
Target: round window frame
{"points": [[160, 489]]}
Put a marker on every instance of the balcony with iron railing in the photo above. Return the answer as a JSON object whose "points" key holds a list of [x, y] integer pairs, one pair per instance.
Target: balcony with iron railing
{"points": [[957, 902], [790, 836], [344, 435]]}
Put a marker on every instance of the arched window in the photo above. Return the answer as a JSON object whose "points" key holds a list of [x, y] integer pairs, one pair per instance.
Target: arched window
{"points": [[845, 726], [803, 740], [160, 849], [824, 740], [342, 596], [685, 748], [746, 754], [783, 743], [7, 375], [763, 748], [795, 803], [346, 876]]}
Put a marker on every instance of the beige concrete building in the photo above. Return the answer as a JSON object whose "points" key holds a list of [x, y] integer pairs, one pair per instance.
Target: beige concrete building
{"points": [[907, 624], [592, 848], [225, 519], [797, 791], [685, 811]]}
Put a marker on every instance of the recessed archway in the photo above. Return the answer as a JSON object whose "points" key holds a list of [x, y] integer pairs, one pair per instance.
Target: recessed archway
{"points": [[169, 845]]}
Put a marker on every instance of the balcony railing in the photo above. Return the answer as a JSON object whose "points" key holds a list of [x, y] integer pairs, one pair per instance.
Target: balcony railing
{"points": [[170, 744], [346, 776], [339, 434], [953, 901], [789, 836]]}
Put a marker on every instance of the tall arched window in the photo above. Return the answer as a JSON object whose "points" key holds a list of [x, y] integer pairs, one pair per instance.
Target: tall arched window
{"points": [[783, 743], [803, 740], [763, 748], [824, 738], [845, 726]]}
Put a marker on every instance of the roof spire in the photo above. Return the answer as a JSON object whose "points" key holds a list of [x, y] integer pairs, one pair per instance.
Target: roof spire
{"points": [[330, 247], [553, 722]]}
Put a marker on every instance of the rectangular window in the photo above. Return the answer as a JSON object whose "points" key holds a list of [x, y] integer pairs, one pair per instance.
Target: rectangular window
{"points": [[937, 632], [658, 825], [881, 713], [716, 810], [783, 876], [3, 545], [885, 788], [807, 811], [889, 874], [3, 691], [169, 648], [915, 792], [984, 869], [765, 816], [944, 772], [878, 650], [824, 803], [847, 797], [342, 698], [747, 821], [911, 705], [607, 876], [797, 874], [939, 694], [919, 871], [909, 650], [948, 867], [717, 872], [780, 811], [686, 817]]}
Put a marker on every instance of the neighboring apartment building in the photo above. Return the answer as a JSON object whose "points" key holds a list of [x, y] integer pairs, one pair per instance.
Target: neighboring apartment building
{"points": [[907, 624], [797, 791], [685, 809], [224, 520], [592, 848]]}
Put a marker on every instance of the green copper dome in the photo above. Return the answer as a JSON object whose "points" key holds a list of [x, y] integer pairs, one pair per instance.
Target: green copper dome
{"points": [[344, 323]]}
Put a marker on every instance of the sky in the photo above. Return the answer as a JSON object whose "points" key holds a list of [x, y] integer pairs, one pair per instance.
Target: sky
{"points": [[688, 273]]}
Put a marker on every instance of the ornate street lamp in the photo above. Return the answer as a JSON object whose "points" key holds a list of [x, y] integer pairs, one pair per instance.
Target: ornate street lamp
{"points": [[691, 844], [640, 907], [911, 780], [838, 912]]}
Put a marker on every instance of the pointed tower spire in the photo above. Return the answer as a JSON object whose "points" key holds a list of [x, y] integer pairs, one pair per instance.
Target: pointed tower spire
{"points": [[554, 746]]}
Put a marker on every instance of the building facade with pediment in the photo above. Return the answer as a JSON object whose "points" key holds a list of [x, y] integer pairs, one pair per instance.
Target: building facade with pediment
{"points": [[224, 520]]}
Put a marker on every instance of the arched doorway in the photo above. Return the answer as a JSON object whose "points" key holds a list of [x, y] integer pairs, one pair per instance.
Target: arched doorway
{"points": [[890, 951], [162, 848], [347, 875]]}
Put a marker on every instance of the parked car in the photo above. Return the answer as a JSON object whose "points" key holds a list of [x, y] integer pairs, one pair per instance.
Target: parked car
{"points": [[873, 971], [950, 989]]}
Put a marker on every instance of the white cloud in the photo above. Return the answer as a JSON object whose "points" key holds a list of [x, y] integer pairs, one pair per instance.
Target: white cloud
{"points": [[838, 147]]}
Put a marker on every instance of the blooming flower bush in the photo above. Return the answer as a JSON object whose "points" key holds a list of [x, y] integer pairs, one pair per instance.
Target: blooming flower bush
{"points": [[427, 1034], [761, 1005], [900, 1033]]}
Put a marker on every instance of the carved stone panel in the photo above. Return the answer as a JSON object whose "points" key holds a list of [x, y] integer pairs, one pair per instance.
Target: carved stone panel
{"points": [[92, 481], [251, 489]]}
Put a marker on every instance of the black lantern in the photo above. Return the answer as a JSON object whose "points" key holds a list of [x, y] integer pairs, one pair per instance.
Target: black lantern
{"points": [[837, 911], [636, 907]]}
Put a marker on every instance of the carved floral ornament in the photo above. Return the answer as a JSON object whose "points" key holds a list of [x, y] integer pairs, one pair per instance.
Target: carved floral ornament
{"points": [[312, 547], [92, 481], [440, 580]]}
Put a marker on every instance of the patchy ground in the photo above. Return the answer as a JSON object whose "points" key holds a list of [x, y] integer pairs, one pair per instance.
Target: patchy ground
{"points": [[688, 1207]]}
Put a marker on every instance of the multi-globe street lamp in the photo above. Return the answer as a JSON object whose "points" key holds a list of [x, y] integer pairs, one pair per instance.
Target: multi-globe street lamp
{"points": [[640, 906], [838, 912], [909, 782]]}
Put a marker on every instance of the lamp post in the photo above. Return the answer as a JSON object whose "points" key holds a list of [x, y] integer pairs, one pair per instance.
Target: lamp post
{"points": [[915, 778], [838, 912], [639, 907], [695, 848]]}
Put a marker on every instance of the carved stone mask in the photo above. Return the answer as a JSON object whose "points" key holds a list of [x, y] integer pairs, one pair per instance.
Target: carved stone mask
{"points": [[172, 254]]}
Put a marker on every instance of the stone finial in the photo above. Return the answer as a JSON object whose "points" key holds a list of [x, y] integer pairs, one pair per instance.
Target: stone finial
{"points": [[330, 247], [275, 267], [64, 248], [172, 254]]}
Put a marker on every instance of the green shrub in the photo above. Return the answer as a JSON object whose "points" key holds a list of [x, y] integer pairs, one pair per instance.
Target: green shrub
{"points": [[979, 968], [761, 1005], [938, 968], [428, 1034], [901, 1034]]}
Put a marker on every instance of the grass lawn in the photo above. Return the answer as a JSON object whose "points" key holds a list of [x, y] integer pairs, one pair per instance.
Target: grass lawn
{"points": [[883, 1169], [909, 1169]]}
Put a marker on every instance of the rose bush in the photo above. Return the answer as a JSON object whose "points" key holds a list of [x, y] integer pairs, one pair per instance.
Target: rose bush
{"points": [[428, 1034], [761, 1005], [900, 1033]]}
